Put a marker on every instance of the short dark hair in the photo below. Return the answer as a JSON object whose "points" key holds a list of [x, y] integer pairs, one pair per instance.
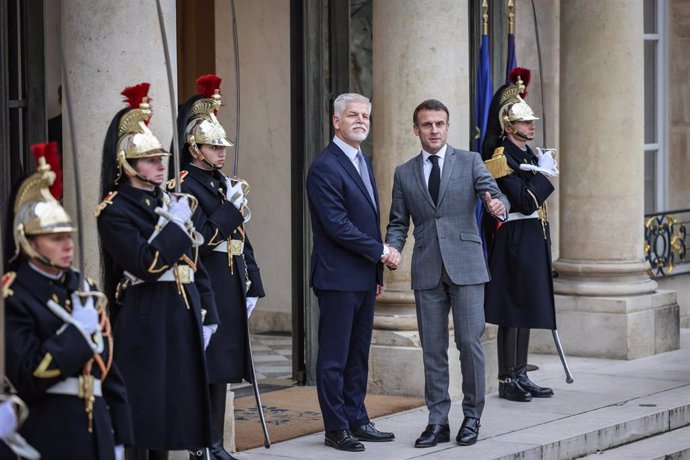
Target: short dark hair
{"points": [[430, 104]]}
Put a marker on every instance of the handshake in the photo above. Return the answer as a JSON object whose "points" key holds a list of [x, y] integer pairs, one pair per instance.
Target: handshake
{"points": [[392, 257]]}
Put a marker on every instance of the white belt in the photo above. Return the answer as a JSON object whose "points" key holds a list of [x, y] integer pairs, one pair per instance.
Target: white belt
{"points": [[71, 386], [184, 273], [520, 216], [236, 246]]}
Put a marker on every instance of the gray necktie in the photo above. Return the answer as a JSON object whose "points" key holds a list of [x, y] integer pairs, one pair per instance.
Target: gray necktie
{"points": [[364, 172]]}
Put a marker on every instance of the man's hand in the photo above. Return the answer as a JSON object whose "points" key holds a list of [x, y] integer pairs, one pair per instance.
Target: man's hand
{"points": [[495, 206], [393, 258], [379, 290]]}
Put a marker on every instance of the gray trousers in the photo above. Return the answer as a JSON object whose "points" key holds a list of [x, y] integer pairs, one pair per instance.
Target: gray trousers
{"points": [[467, 306]]}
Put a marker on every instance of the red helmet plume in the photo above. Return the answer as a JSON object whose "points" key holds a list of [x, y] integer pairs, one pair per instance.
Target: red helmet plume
{"points": [[135, 94], [53, 157], [524, 74], [206, 85]]}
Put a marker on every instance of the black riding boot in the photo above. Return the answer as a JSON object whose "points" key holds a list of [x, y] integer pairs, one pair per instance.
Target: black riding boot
{"points": [[521, 367], [219, 393], [508, 386]]}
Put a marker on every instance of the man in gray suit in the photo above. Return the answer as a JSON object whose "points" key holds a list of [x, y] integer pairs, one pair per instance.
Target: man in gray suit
{"points": [[438, 189]]}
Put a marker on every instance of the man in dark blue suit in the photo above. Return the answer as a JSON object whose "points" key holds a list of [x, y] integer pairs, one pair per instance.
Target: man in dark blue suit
{"points": [[346, 273]]}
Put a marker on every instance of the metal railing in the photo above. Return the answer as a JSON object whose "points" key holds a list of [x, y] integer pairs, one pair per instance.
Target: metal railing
{"points": [[666, 239]]}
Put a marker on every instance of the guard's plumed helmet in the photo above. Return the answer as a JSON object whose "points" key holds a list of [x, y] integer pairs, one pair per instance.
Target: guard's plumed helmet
{"points": [[513, 107], [135, 140], [36, 211], [202, 125]]}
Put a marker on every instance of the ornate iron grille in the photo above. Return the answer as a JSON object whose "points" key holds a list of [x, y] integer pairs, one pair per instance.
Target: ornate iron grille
{"points": [[666, 241]]}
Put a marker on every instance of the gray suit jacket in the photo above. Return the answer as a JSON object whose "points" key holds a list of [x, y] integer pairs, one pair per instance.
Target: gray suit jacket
{"points": [[445, 234]]}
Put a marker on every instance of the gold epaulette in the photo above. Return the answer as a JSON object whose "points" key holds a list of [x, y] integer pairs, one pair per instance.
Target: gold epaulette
{"points": [[103, 204], [498, 164], [7, 280], [172, 182]]}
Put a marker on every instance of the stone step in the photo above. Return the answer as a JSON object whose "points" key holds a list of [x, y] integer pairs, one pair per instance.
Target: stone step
{"points": [[588, 432], [673, 444]]}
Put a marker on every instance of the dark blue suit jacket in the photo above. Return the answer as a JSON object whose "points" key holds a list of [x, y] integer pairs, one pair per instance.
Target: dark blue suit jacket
{"points": [[345, 223]]}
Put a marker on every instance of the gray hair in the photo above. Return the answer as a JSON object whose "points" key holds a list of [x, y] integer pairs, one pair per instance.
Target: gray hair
{"points": [[345, 98]]}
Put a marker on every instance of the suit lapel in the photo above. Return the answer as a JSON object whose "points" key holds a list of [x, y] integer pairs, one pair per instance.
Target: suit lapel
{"points": [[350, 168], [418, 174], [448, 164]]}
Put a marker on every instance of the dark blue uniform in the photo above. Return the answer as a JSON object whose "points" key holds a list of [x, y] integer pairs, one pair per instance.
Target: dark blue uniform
{"points": [[227, 355], [158, 334], [42, 351], [520, 293]]}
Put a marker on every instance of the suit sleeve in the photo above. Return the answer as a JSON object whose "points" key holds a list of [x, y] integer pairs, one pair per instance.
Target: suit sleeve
{"points": [[399, 217], [33, 364], [132, 251], [484, 182], [324, 189]]}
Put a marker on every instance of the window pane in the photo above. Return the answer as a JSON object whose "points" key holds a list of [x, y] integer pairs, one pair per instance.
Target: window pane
{"points": [[650, 87], [649, 16], [650, 181]]}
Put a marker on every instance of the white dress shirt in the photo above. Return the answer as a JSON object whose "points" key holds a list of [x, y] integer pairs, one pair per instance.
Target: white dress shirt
{"points": [[427, 164], [349, 150]]}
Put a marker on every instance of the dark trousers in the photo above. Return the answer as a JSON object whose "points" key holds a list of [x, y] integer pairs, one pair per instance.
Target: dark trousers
{"points": [[133, 453], [342, 366]]}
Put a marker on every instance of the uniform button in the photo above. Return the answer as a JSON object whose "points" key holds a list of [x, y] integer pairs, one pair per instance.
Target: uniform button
{"points": [[438, 216]]}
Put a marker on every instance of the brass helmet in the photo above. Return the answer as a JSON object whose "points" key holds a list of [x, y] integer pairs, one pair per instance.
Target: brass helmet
{"points": [[513, 107], [135, 139], [202, 125], [36, 211]]}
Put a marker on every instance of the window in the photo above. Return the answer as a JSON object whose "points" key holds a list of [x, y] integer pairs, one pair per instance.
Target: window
{"points": [[655, 164]]}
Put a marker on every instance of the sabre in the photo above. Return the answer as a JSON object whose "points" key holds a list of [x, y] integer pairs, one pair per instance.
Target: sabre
{"points": [[173, 113], [554, 332], [561, 354], [255, 385]]}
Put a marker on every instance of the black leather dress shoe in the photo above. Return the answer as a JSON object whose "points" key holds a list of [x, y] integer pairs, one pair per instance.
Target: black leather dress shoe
{"points": [[343, 440], [218, 452], [432, 435], [469, 430], [512, 391], [369, 432], [534, 389]]}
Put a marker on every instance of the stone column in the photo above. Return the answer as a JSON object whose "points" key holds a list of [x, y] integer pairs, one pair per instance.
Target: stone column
{"points": [[418, 54], [607, 305], [108, 46]]}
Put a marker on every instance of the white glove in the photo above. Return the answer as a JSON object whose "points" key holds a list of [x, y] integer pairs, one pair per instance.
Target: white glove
{"points": [[180, 211], [119, 452], [8, 419], [547, 163], [85, 314], [235, 194], [208, 331], [251, 304]]}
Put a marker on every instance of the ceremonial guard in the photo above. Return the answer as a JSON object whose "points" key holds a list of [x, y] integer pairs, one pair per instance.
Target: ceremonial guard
{"points": [[520, 295], [167, 312], [226, 253], [57, 333]]}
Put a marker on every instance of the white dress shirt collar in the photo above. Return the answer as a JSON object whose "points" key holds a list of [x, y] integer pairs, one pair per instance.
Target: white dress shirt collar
{"points": [[441, 153], [349, 150]]}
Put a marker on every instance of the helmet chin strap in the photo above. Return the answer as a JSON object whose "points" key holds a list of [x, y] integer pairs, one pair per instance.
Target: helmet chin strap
{"points": [[519, 133], [200, 156], [130, 171]]}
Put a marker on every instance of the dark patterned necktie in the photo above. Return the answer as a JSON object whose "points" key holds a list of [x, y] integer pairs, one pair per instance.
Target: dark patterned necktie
{"points": [[434, 178]]}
